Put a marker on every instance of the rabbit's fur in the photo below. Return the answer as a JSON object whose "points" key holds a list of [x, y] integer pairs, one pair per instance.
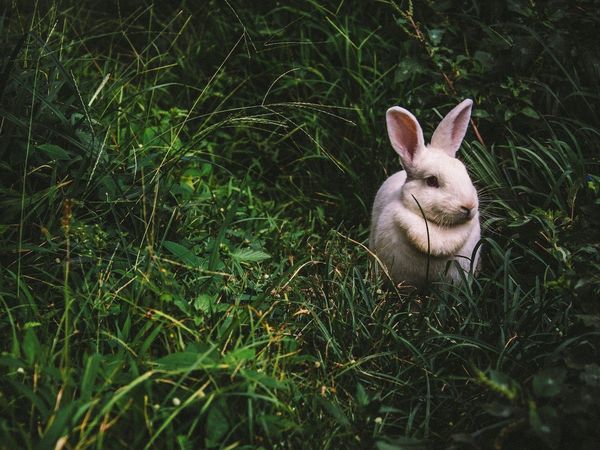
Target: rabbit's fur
{"points": [[439, 182]]}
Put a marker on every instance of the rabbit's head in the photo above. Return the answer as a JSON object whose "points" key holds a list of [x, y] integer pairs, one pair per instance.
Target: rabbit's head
{"points": [[435, 178]]}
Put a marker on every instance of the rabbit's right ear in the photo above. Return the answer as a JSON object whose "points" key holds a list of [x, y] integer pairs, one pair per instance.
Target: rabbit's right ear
{"points": [[405, 135], [451, 131]]}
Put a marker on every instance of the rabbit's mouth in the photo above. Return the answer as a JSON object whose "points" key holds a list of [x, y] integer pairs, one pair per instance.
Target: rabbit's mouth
{"points": [[453, 218]]}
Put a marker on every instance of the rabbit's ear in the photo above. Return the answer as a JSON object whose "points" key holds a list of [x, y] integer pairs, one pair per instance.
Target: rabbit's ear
{"points": [[405, 135], [450, 132]]}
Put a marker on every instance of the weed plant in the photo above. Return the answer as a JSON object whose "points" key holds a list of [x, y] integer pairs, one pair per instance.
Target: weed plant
{"points": [[185, 190]]}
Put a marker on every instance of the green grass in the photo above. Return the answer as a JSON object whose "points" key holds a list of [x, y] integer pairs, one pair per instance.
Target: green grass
{"points": [[185, 193]]}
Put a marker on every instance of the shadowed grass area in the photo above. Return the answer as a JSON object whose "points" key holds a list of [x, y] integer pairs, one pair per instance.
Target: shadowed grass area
{"points": [[185, 192]]}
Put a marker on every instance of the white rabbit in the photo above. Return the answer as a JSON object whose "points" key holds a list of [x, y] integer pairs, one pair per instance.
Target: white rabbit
{"points": [[439, 182]]}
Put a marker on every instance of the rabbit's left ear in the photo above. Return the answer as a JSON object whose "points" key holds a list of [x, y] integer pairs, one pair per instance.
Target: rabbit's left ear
{"points": [[450, 132]]}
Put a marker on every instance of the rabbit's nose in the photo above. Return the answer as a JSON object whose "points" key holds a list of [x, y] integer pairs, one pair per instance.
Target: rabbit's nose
{"points": [[466, 210]]}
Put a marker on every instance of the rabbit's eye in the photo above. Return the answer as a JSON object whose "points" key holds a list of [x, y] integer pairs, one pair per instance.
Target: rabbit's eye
{"points": [[432, 181]]}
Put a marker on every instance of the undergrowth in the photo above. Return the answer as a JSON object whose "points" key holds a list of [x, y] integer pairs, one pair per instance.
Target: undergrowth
{"points": [[185, 193]]}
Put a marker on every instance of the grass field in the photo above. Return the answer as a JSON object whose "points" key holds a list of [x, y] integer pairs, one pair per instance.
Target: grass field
{"points": [[185, 191]]}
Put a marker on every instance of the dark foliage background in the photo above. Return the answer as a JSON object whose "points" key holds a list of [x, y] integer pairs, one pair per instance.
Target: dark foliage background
{"points": [[185, 190]]}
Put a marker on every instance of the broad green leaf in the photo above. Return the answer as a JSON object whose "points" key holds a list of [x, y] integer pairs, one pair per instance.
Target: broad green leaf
{"points": [[436, 35], [184, 442], [185, 361], [249, 255], [241, 354], [361, 395], [182, 304], [54, 152], [407, 68], [548, 382], [149, 135], [31, 346], [275, 425], [217, 425], [263, 379], [183, 254], [204, 303], [530, 112], [336, 412], [208, 304]]}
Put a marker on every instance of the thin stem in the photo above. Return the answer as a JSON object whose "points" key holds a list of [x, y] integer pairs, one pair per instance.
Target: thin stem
{"points": [[428, 241]]}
